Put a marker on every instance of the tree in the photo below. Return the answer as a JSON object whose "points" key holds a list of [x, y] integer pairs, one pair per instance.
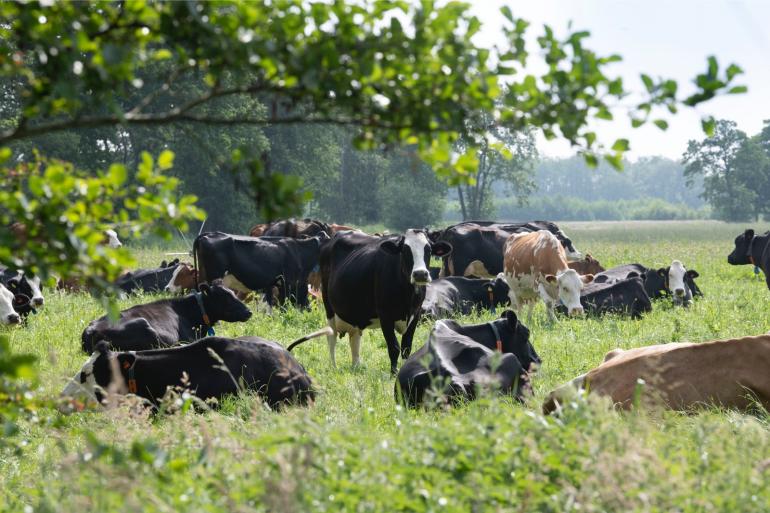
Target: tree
{"points": [[78, 65], [504, 156], [732, 168]]}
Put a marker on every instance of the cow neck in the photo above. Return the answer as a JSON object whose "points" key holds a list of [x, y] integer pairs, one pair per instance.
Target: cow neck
{"points": [[750, 251], [204, 315], [498, 340], [131, 381]]}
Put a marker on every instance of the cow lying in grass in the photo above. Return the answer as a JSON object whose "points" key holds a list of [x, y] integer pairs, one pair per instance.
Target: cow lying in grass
{"points": [[680, 376], [212, 367], [166, 322], [456, 359]]}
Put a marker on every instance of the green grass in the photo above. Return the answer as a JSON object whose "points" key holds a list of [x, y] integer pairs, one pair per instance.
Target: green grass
{"points": [[356, 450]]}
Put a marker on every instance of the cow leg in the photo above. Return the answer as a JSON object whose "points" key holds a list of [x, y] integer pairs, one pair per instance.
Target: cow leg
{"points": [[389, 332], [355, 347], [406, 338], [332, 341]]}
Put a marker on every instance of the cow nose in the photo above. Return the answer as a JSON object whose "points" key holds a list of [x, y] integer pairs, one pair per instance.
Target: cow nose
{"points": [[14, 318], [679, 292], [38, 301], [420, 276], [576, 311]]}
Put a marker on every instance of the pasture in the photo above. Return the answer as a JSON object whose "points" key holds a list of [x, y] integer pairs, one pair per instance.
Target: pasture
{"points": [[356, 450]]}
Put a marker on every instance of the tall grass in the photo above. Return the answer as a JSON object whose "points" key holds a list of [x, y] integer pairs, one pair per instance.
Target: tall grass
{"points": [[356, 450]]}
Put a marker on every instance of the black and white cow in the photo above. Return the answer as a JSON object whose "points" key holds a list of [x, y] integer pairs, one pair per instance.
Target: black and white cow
{"points": [[20, 283], [479, 245], [166, 322], [626, 297], [148, 280], [458, 294], [675, 280], [260, 365], [8, 315], [752, 249], [258, 263], [457, 359], [369, 281]]}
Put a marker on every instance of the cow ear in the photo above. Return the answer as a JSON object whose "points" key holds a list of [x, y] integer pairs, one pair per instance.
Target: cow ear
{"points": [[204, 288], [550, 278], [392, 246], [163, 264], [633, 274], [441, 248], [102, 347], [587, 278], [748, 234], [663, 272], [510, 317], [126, 360], [692, 273]]}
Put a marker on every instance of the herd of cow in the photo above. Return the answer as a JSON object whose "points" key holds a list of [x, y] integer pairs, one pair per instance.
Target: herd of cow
{"points": [[386, 281]]}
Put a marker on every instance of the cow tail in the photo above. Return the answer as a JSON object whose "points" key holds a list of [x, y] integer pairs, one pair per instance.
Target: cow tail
{"points": [[325, 331]]}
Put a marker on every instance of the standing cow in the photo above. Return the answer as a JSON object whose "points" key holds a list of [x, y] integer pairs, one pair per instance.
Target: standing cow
{"points": [[752, 249], [535, 264], [369, 281]]}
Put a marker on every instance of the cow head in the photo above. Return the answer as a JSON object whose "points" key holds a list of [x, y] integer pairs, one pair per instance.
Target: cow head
{"points": [[96, 374], [184, 277], [7, 314], [515, 338], [568, 285], [415, 249], [588, 265], [676, 279], [569, 248], [111, 239], [222, 305], [499, 290], [27, 286], [743, 245]]}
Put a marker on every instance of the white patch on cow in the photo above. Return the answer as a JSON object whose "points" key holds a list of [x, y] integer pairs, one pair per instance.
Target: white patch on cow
{"points": [[234, 284], [37, 294], [112, 239], [87, 388], [477, 268], [417, 242], [676, 279], [172, 286], [546, 241], [7, 314], [354, 333], [573, 256]]}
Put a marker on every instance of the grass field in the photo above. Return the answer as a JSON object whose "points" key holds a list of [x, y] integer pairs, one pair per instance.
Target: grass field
{"points": [[356, 450]]}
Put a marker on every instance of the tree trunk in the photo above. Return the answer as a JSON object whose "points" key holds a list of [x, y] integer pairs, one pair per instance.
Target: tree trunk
{"points": [[462, 202]]}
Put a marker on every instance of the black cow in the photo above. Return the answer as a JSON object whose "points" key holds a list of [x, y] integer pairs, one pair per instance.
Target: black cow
{"points": [[456, 359], [657, 283], [368, 281], [166, 322], [252, 362], [148, 280], [479, 245], [457, 294], [626, 297], [258, 263], [303, 228], [21, 284], [752, 249]]}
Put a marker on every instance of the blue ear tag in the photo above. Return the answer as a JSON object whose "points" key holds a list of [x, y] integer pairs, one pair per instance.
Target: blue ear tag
{"points": [[756, 270], [210, 332]]}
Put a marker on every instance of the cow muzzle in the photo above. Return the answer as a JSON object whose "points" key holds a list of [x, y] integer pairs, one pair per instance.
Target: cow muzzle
{"points": [[38, 301], [574, 312], [679, 292], [420, 277], [13, 318]]}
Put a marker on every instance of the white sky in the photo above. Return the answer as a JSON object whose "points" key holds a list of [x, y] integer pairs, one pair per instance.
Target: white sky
{"points": [[670, 39]]}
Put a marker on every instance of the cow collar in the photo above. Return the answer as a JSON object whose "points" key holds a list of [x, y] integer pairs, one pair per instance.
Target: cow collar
{"points": [[131, 381], [498, 340], [491, 295], [749, 251], [204, 315]]}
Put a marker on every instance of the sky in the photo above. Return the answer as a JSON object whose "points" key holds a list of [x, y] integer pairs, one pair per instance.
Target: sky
{"points": [[669, 39]]}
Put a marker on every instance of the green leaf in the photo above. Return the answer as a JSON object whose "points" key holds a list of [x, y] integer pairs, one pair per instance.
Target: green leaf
{"points": [[506, 12], [166, 160], [620, 145], [661, 123], [737, 90], [708, 124]]}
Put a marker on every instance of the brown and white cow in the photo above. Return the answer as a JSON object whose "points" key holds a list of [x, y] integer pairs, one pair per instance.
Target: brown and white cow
{"points": [[679, 376], [535, 264], [588, 265]]}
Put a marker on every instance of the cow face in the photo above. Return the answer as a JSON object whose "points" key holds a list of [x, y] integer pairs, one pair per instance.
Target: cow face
{"points": [[96, 374], [184, 278], [676, 278], [222, 305], [499, 289], [742, 251], [7, 314], [569, 248], [569, 284], [515, 338], [415, 250], [111, 239], [27, 287]]}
